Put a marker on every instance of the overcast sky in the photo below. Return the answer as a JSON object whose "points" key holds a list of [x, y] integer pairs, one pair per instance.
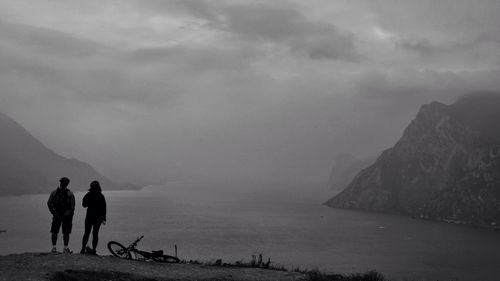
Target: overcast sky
{"points": [[236, 89]]}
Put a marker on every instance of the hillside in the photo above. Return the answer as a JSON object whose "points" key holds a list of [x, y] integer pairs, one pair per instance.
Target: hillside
{"points": [[344, 169], [446, 166], [28, 166]]}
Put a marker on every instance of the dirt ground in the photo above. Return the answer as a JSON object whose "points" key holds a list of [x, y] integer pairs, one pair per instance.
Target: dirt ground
{"points": [[76, 267]]}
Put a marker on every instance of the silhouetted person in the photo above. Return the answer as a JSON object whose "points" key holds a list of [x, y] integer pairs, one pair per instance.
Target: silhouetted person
{"points": [[62, 207], [95, 203]]}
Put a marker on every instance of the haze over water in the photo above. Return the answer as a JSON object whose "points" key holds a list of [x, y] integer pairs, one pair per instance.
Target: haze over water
{"points": [[288, 224]]}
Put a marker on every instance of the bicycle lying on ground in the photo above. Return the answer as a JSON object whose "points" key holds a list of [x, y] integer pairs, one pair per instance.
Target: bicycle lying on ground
{"points": [[131, 253]]}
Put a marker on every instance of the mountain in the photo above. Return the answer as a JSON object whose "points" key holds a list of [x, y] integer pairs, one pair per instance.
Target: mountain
{"points": [[446, 166], [27, 166], [344, 169]]}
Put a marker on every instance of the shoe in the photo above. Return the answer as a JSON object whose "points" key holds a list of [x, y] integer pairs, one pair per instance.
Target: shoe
{"points": [[54, 250], [67, 251], [90, 251], [82, 251]]}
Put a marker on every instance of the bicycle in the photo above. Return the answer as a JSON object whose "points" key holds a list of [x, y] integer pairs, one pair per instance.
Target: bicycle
{"points": [[131, 253]]}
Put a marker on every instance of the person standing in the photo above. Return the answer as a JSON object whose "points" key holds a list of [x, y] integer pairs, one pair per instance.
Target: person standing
{"points": [[61, 205], [95, 203]]}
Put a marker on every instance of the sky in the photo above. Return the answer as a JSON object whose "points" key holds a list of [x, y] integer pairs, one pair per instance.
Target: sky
{"points": [[251, 90]]}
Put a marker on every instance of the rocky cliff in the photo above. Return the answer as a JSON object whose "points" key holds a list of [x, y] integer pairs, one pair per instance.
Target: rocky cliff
{"points": [[446, 166], [344, 169], [28, 166]]}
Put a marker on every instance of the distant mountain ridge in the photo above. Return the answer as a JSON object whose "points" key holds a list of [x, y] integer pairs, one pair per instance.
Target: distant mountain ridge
{"points": [[28, 166], [345, 168], [446, 166]]}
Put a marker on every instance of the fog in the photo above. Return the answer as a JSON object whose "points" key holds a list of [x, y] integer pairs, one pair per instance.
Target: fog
{"points": [[260, 90]]}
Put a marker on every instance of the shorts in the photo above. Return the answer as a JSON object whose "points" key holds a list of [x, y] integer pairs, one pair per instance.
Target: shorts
{"points": [[65, 221]]}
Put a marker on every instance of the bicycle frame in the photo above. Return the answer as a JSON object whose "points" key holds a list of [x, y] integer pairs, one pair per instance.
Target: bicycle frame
{"points": [[132, 246], [131, 252], [143, 255]]}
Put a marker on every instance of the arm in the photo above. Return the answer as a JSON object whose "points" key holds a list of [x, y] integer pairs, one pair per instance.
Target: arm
{"points": [[50, 203], [72, 200], [85, 201], [103, 208], [71, 210]]}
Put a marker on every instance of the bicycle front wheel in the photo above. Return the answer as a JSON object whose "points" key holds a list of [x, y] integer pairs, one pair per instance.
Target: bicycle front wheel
{"points": [[118, 250], [166, 259]]}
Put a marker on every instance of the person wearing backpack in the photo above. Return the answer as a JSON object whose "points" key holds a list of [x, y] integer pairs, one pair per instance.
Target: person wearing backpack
{"points": [[62, 207], [95, 203]]}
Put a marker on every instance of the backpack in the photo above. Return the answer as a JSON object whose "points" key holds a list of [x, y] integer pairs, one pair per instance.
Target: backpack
{"points": [[62, 201]]}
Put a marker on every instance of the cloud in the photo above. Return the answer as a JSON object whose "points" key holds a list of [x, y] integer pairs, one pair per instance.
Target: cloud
{"points": [[280, 23], [253, 89], [463, 55], [421, 46], [445, 19], [205, 109], [285, 25], [47, 41], [198, 8], [59, 66], [412, 87], [446, 34]]}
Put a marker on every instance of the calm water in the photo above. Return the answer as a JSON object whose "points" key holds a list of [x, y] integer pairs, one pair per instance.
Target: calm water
{"points": [[213, 221]]}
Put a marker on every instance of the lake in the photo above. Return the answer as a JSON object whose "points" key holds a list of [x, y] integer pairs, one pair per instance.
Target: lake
{"points": [[290, 225]]}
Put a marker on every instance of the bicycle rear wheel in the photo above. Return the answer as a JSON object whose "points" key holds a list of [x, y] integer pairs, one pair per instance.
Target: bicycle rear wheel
{"points": [[166, 259], [118, 250]]}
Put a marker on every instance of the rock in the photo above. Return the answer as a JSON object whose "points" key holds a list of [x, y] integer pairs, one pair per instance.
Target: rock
{"points": [[446, 166], [345, 169]]}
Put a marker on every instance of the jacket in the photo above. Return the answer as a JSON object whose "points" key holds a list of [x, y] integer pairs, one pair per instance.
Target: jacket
{"points": [[61, 202], [95, 203]]}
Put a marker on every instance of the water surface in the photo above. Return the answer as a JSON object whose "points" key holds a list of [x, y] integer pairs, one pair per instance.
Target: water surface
{"points": [[289, 225]]}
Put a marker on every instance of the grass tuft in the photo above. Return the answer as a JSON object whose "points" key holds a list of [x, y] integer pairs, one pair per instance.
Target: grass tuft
{"points": [[316, 275], [257, 261]]}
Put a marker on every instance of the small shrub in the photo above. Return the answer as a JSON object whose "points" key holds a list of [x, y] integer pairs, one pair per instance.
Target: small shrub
{"points": [[316, 275], [257, 261]]}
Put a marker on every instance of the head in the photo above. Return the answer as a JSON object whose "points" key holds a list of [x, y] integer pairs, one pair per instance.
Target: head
{"points": [[64, 182], [95, 186]]}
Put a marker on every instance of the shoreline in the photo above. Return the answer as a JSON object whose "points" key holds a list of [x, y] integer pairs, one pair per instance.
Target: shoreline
{"points": [[458, 223]]}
